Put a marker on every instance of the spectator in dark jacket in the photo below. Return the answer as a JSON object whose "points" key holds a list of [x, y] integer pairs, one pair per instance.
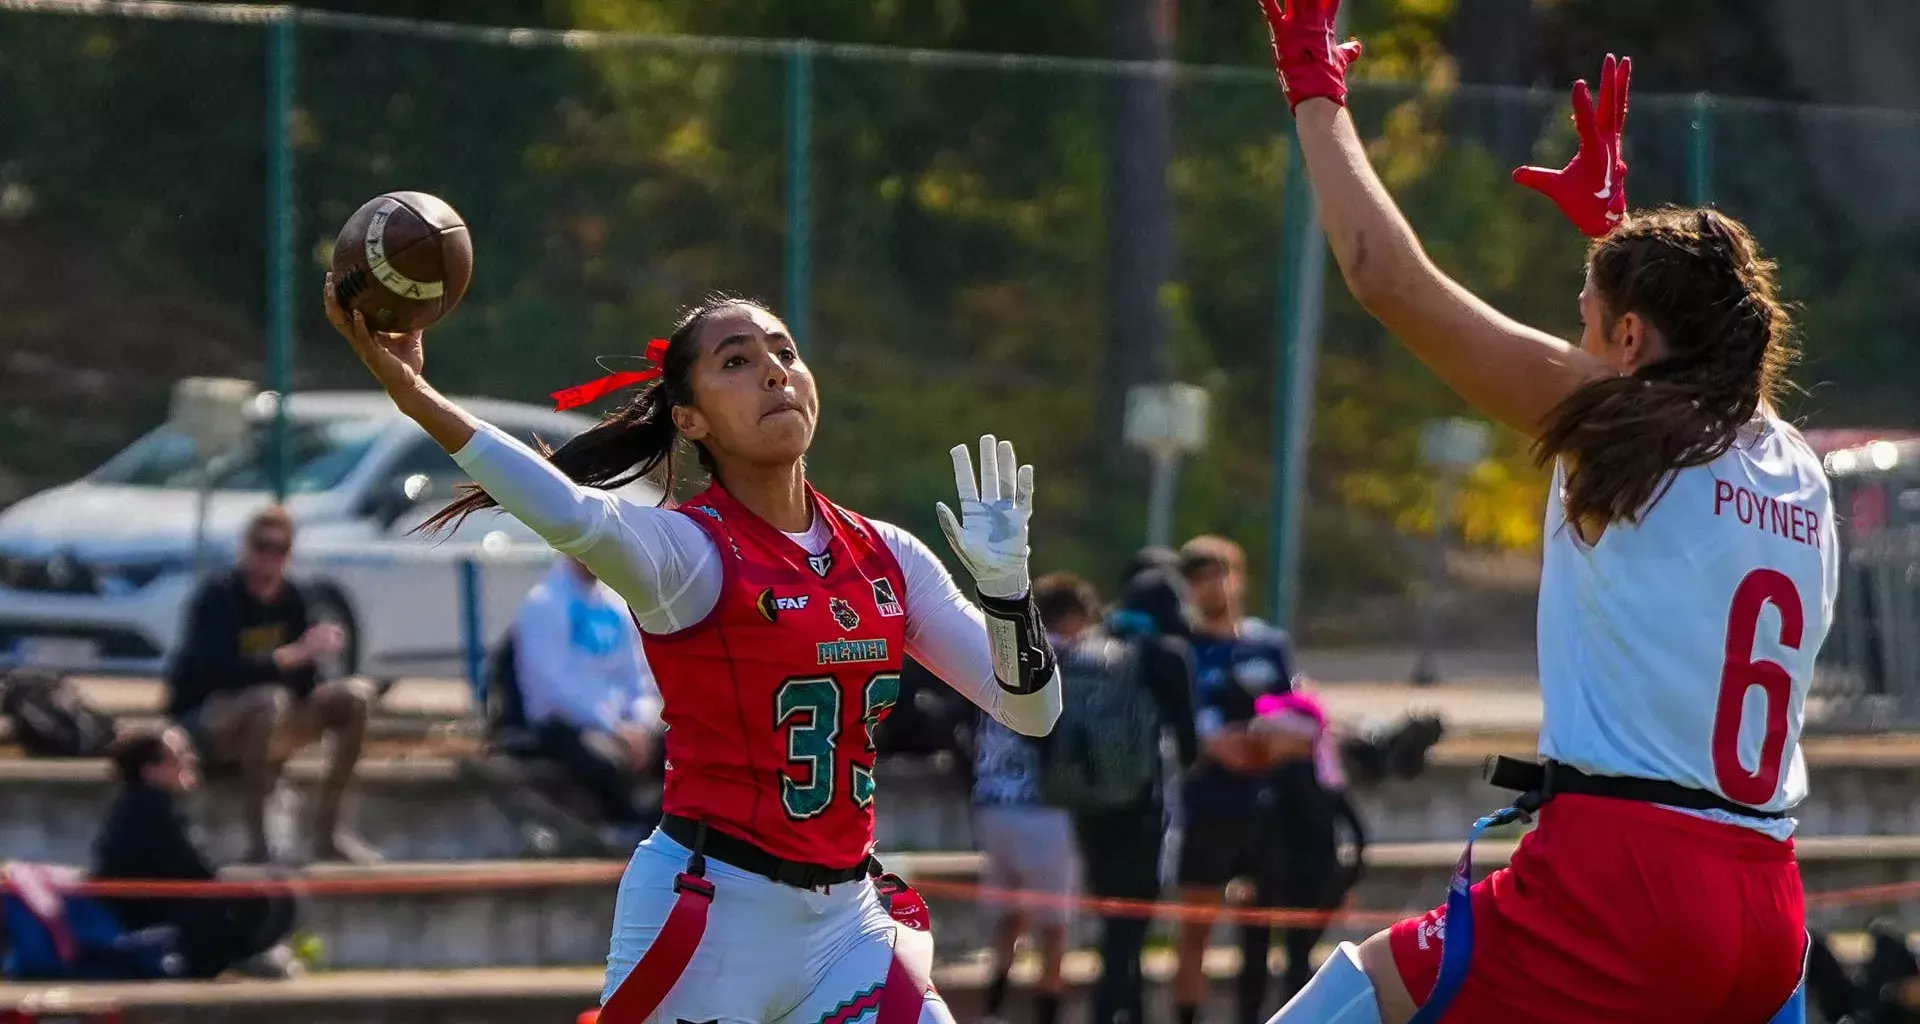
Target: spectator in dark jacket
{"points": [[145, 838], [246, 685], [1121, 847]]}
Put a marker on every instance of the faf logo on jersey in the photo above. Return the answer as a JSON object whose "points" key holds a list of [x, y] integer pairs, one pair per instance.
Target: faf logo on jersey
{"points": [[771, 604]]}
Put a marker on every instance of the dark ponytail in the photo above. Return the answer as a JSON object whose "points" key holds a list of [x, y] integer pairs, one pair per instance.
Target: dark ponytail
{"points": [[630, 443], [1698, 278]]}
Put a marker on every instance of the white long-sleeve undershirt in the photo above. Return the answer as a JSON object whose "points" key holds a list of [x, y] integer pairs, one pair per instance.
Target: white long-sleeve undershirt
{"points": [[668, 570]]}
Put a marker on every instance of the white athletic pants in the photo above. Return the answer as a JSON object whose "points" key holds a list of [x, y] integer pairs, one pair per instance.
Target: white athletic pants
{"points": [[772, 954]]}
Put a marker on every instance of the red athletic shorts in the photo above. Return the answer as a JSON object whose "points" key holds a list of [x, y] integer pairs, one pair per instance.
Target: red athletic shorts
{"points": [[1614, 910]]}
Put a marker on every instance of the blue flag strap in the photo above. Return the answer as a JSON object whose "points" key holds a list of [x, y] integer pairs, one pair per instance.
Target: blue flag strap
{"points": [[1456, 938]]}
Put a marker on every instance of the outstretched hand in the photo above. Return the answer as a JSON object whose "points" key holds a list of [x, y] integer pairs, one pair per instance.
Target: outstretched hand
{"points": [[395, 359], [990, 534], [1310, 64], [1592, 189]]}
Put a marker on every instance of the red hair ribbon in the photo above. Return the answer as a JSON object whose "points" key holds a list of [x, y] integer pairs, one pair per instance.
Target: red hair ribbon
{"points": [[581, 394]]}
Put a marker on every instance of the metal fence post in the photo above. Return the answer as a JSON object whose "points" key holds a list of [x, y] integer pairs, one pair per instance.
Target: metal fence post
{"points": [[472, 640], [281, 58], [799, 253], [1303, 264], [1700, 151]]}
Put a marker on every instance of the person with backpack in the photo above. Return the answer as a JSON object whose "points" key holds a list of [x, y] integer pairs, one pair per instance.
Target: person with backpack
{"points": [[1127, 686]]}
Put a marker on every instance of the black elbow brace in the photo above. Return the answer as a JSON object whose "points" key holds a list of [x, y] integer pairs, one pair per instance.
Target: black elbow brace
{"points": [[1023, 660]]}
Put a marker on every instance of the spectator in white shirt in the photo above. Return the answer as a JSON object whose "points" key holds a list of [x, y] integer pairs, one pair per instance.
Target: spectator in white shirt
{"points": [[586, 688]]}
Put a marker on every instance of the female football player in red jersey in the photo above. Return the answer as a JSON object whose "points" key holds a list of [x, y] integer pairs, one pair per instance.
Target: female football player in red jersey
{"points": [[1688, 579], [775, 622]]}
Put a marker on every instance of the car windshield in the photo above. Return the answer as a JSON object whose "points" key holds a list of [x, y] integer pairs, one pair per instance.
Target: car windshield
{"points": [[320, 454]]}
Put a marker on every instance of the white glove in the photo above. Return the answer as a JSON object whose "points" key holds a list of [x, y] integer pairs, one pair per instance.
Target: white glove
{"points": [[990, 535]]}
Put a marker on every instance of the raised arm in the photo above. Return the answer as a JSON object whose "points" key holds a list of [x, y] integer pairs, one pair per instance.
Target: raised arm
{"points": [[1509, 371], [996, 653], [660, 563]]}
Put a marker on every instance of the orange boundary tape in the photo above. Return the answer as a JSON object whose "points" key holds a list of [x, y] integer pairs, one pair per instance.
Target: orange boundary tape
{"points": [[457, 881]]}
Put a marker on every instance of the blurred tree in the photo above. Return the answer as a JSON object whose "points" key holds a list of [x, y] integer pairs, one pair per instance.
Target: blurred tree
{"points": [[961, 239]]}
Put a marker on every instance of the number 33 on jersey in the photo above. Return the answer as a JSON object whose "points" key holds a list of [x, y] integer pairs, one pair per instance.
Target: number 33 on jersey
{"points": [[772, 700]]}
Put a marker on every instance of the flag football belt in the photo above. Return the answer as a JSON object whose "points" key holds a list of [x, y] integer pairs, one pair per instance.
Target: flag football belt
{"points": [[1538, 782], [738, 853], [909, 979]]}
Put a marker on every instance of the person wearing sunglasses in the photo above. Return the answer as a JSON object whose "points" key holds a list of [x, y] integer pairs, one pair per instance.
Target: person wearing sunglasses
{"points": [[246, 684]]}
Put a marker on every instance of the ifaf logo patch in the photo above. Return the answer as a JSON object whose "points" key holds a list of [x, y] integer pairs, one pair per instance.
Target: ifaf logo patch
{"points": [[885, 600], [843, 652], [771, 604], [843, 613]]}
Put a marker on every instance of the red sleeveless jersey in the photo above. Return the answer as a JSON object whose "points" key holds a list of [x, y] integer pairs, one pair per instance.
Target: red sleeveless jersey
{"points": [[770, 701]]}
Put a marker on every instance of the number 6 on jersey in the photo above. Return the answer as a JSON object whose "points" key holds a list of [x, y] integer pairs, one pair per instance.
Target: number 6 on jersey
{"points": [[1742, 672]]}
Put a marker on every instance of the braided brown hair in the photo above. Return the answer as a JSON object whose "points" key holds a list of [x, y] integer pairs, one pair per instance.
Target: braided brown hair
{"points": [[1698, 278], [631, 442]]}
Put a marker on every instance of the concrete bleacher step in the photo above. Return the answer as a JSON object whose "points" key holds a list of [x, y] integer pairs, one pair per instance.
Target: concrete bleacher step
{"points": [[534, 995], [484, 996], [558, 913], [410, 806], [558, 995], [419, 801]]}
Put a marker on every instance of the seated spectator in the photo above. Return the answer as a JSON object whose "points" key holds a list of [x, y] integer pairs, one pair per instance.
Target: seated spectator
{"points": [[587, 690], [246, 685], [145, 838]]}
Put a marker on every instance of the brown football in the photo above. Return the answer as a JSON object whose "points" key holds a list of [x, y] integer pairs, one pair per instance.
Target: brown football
{"points": [[403, 260]]}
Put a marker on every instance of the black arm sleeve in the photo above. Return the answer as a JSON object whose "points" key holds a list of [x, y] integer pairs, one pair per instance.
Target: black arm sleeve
{"points": [[1169, 665], [1023, 660]]}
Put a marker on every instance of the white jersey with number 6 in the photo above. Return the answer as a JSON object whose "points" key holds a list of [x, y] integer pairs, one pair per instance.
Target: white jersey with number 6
{"points": [[1681, 647]]}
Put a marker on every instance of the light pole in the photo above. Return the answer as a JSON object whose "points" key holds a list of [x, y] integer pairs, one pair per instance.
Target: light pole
{"points": [[211, 412], [1166, 421]]}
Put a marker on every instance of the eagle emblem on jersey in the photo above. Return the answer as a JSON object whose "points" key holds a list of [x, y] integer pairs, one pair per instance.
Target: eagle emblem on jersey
{"points": [[844, 614], [822, 564], [885, 601]]}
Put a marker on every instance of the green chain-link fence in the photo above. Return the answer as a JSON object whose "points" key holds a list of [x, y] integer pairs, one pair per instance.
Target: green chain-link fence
{"points": [[938, 226]]}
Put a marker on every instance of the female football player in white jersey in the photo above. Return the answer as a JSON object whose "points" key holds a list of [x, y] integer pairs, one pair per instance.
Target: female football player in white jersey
{"points": [[1688, 581], [775, 624]]}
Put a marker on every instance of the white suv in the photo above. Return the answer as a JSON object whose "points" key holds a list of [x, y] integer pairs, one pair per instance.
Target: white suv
{"points": [[95, 575]]}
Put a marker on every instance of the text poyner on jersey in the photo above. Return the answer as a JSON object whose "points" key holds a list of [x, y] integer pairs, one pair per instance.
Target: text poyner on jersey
{"points": [[1770, 514]]}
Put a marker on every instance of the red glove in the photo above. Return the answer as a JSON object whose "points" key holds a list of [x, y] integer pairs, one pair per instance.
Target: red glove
{"points": [[1304, 53], [1592, 189]]}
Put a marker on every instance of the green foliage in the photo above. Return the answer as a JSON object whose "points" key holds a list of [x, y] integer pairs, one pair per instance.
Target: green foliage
{"points": [[959, 246]]}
